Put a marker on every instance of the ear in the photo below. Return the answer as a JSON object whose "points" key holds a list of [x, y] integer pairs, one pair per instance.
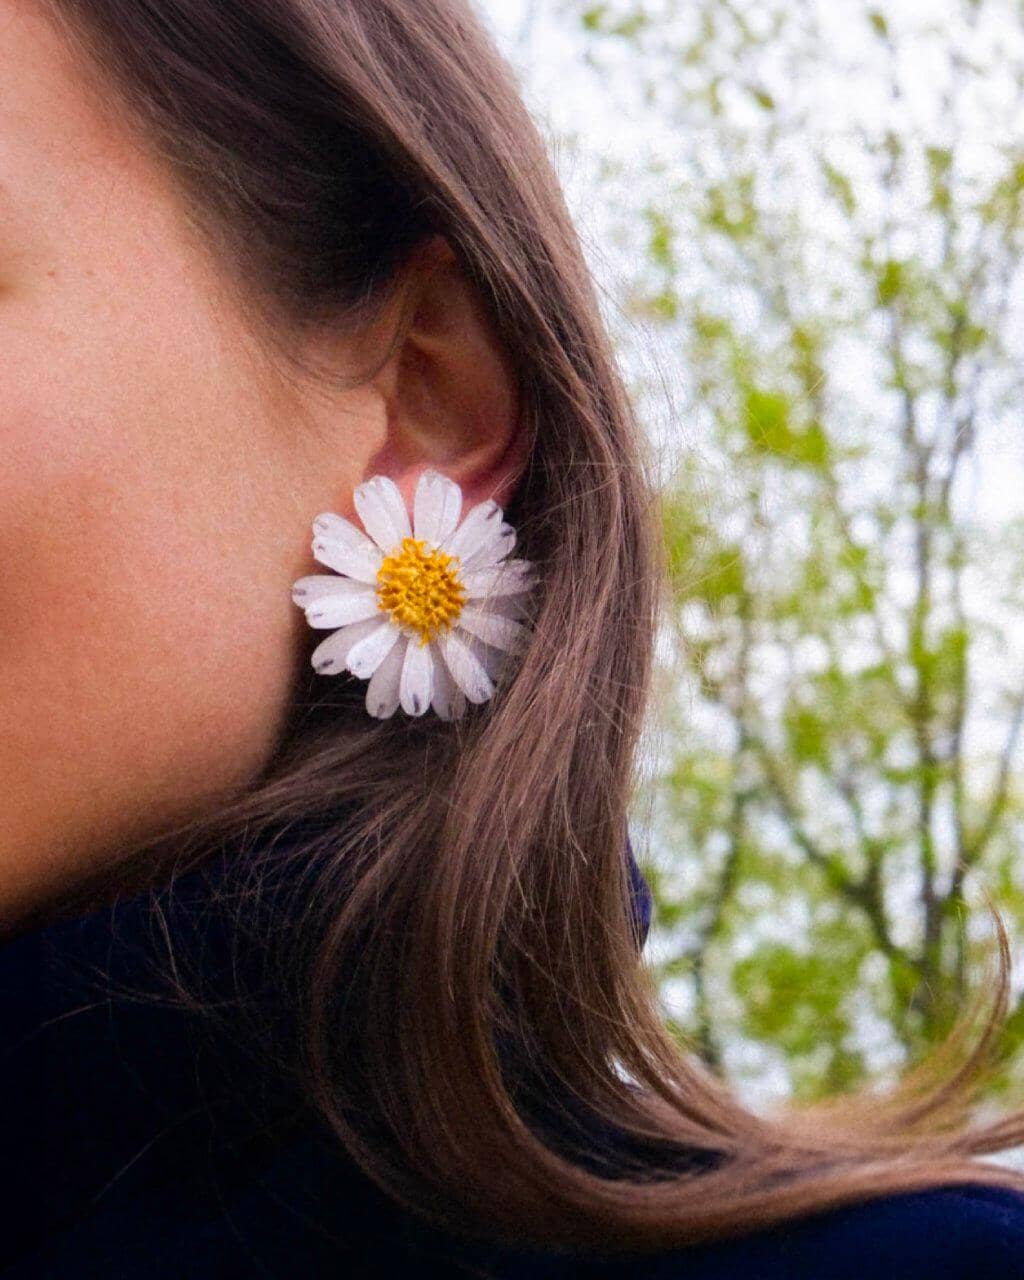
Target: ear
{"points": [[451, 397]]}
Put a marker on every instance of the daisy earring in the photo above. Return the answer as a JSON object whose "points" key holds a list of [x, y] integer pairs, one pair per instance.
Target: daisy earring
{"points": [[425, 610]]}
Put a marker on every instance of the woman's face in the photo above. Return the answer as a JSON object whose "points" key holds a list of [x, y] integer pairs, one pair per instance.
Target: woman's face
{"points": [[155, 492]]}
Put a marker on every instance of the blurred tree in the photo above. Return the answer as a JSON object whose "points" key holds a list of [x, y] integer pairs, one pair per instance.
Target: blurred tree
{"points": [[827, 242]]}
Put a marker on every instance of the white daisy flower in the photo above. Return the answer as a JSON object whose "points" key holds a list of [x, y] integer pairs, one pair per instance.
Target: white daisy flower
{"points": [[427, 612]]}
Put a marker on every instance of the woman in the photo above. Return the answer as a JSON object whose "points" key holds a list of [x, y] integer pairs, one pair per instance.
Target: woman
{"points": [[309, 970]]}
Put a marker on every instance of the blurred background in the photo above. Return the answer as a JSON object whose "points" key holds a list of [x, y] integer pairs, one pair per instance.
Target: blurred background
{"points": [[805, 220]]}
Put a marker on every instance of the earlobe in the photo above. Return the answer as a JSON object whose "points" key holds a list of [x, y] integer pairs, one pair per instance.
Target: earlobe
{"points": [[451, 392]]}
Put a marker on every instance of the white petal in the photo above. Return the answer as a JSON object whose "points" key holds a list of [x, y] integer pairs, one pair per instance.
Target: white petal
{"points": [[341, 546], [331, 525], [494, 628], [315, 585], [341, 607], [482, 522], [466, 669], [365, 657], [447, 698], [492, 660], [503, 579], [382, 511], [354, 564], [382, 691], [417, 683], [436, 506], [330, 655], [493, 550]]}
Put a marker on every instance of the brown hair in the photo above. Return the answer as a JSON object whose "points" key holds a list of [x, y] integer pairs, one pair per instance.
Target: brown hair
{"points": [[468, 887]]}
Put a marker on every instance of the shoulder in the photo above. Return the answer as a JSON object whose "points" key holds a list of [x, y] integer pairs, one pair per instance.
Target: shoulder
{"points": [[301, 1214], [949, 1233]]}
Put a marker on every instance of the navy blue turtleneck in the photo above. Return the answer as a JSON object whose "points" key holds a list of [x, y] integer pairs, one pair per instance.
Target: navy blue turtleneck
{"points": [[138, 1146]]}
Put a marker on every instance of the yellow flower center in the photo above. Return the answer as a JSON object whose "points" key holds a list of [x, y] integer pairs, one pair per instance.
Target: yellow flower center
{"points": [[420, 589]]}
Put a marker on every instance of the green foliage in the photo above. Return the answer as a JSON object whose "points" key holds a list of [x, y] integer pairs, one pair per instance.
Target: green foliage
{"points": [[700, 564], [797, 1000], [660, 244], [730, 207], [845, 747], [762, 97], [840, 187], [892, 281], [601, 18], [768, 420]]}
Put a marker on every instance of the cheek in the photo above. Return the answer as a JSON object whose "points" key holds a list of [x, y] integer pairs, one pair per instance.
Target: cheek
{"points": [[101, 556], [146, 625]]}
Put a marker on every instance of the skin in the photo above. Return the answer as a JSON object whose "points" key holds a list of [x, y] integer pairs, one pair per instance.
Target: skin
{"points": [[160, 476]]}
